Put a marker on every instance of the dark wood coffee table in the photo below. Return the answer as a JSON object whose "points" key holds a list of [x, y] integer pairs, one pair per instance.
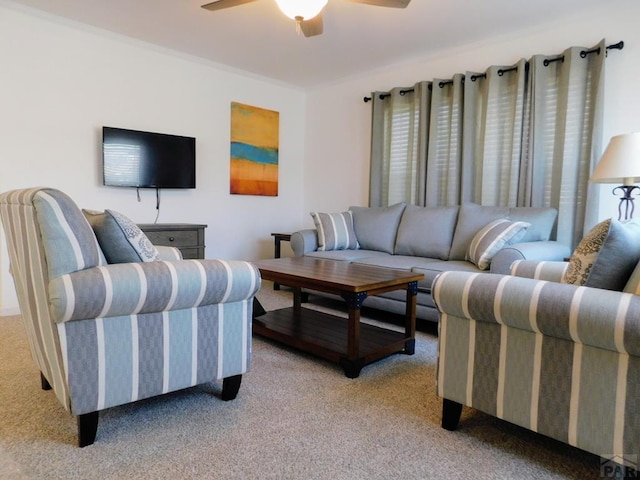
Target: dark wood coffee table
{"points": [[346, 341]]}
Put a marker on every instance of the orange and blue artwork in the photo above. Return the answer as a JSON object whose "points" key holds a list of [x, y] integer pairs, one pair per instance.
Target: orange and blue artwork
{"points": [[254, 150]]}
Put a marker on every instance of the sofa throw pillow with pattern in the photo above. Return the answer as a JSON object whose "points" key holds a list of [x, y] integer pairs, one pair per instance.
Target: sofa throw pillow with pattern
{"points": [[493, 237], [335, 231], [120, 239], [606, 256]]}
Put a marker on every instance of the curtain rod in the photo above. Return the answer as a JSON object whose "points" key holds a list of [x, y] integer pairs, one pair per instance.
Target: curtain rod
{"points": [[502, 71]]}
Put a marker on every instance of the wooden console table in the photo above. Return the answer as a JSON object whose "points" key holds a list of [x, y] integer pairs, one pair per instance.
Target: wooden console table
{"points": [[277, 238], [187, 237]]}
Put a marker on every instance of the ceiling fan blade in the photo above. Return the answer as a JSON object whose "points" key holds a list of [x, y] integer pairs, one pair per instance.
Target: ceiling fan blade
{"points": [[220, 4], [312, 27], [384, 3]]}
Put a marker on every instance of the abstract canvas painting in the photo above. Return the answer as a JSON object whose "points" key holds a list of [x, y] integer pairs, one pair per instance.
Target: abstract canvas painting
{"points": [[254, 150]]}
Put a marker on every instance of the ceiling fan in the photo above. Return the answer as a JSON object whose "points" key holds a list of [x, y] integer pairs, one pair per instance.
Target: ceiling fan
{"points": [[306, 13]]}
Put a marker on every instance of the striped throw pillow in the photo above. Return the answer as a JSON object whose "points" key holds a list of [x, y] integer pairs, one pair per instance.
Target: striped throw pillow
{"points": [[491, 238], [335, 231]]}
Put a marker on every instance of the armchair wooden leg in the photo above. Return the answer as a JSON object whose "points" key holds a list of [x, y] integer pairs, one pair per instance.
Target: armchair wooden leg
{"points": [[258, 309], [450, 414], [44, 382], [87, 428], [230, 387]]}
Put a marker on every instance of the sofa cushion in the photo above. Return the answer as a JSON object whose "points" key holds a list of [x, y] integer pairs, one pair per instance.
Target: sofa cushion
{"points": [[335, 231], [433, 269], [430, 272], [606, 256], [68, 240], [397, 262], [491, 238], [347, 255], [471, 218], [426, 231], [376, 227], [121, 240], [542, 221]]}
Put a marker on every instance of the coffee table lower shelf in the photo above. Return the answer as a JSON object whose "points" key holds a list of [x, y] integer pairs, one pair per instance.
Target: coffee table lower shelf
{"points": [[325, 336]]}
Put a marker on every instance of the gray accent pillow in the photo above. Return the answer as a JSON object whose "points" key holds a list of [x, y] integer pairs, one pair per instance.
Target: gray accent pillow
{"points": [[376, 227], [606, 256], [426, 231], [542, 221], [471, 218], [120, 239]]}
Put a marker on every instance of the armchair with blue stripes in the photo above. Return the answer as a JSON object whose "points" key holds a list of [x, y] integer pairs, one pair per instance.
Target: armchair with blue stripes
{"points": [[105, 334], [556, 358]]}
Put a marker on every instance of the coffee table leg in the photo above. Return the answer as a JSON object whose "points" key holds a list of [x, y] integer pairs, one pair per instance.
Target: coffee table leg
{"points": [[353, 363], [410, 318], [351, 369], [297, 300]]}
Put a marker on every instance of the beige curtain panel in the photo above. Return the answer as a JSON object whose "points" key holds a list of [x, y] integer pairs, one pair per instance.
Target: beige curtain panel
{"points": [[527, 134]]}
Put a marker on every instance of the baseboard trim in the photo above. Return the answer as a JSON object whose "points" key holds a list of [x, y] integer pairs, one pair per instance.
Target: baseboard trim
{"points": [[8, 312]]}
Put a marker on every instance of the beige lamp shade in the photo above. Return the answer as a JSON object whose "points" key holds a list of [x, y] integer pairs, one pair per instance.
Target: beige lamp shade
{"points": [[620, 162]]}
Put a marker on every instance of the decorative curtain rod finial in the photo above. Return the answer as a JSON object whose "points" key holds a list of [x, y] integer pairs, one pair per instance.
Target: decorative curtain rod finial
{"points": [[615, 46]]}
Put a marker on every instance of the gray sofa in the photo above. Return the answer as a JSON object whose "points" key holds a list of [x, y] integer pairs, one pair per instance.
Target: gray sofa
{"points": [[431, 240]]}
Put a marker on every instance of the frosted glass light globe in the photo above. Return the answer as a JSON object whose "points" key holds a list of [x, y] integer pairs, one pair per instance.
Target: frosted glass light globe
{"points": [[306, 9]]}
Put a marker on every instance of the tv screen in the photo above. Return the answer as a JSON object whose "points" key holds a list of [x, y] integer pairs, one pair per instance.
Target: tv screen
{"points": [[132, 158]]}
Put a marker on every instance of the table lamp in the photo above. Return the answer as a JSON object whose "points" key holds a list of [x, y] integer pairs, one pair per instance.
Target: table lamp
{"points": [[620, 163]]}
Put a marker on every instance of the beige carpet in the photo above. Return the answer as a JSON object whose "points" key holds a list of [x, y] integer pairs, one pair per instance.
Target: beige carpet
{"points": [[296, 417]]}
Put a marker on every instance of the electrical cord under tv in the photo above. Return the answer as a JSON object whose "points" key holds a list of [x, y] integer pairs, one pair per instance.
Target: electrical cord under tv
{"points": [[157, 202], [157, 205]]}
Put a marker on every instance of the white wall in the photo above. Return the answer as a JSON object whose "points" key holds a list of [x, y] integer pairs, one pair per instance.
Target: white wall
{"points": [[338, 121], [61, 82]]}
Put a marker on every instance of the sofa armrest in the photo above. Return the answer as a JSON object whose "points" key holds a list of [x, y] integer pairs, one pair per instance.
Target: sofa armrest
{"points": [[544, 250], [304, 241], [169, 253], [150, 287], [591, 316], [552, 271]]}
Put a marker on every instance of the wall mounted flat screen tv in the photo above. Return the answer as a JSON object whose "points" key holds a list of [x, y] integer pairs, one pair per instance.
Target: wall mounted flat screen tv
{"points": [[132, 158]]}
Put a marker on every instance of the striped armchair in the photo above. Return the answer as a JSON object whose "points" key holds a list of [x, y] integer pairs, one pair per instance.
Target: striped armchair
{"points": [[558, 359], [108, 334]]}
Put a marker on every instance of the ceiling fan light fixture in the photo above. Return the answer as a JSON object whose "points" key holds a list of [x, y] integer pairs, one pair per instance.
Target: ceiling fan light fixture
{"points": [[301, 9]]}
